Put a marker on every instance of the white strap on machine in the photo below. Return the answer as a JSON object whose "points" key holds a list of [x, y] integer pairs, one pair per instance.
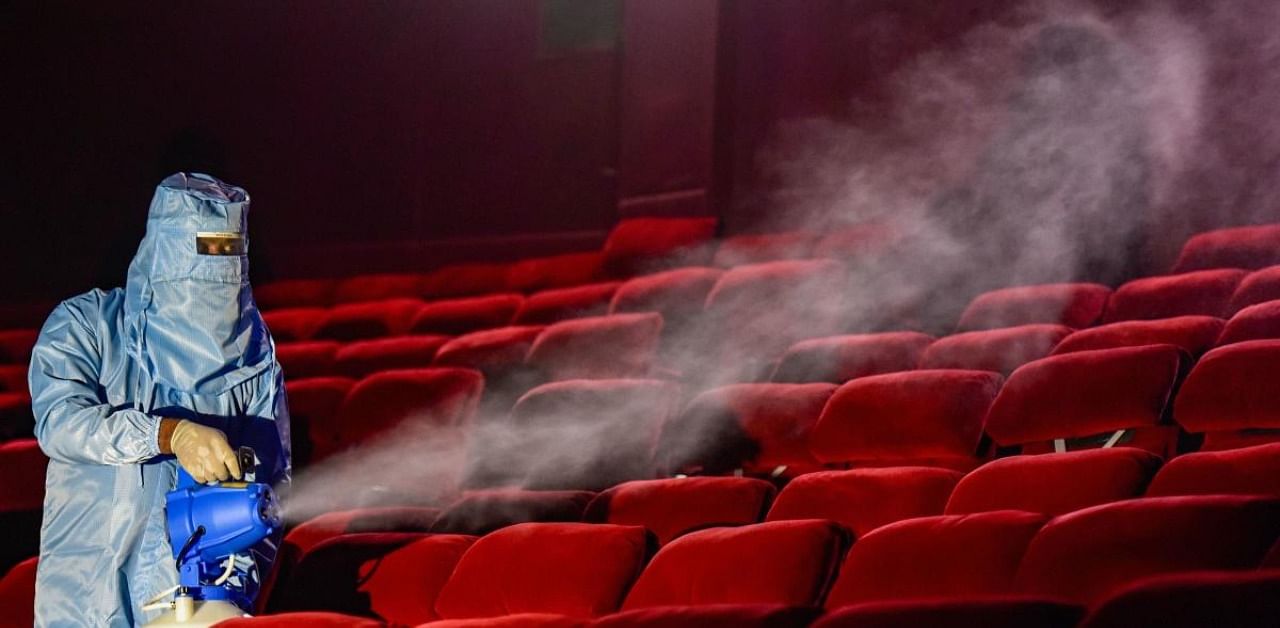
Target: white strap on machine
{"points": [[1115, 438], [159, 602], [1059, 445]]}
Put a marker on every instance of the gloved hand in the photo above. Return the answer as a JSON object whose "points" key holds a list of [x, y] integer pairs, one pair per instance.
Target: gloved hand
{"points": [[203, 451]]}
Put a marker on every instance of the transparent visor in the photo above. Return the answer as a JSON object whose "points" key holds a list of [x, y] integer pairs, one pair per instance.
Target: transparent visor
{"points": [[219, 243]]}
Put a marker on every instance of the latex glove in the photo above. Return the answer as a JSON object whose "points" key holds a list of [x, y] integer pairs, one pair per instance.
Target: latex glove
{"points": [[204, 452]]}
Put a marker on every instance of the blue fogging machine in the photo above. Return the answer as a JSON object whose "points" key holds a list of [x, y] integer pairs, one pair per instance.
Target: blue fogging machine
{"points": [[213, 530]]}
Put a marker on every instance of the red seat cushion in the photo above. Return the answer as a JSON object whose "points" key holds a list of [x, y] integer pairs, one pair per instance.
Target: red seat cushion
{"points": [[1246, 471], [943, 556], [984, 612], [549, 306], [1054, 484], [838, 359], [489, 350], [18, 593], [1256, 322], [301, 620], [854, 243], [460, 316], [766, 247], [1204, 292], [1071, 304], [13, 377], [1236, 247], [1085, 555], [555, 271], [865, 499], [711, 616], [319, 528], [676, 294], [294, 293], [1257, 287], [898, 418], [372, 319], [482, 512], [999, 350], [518, 620], [365, 357], [640, 245], [575, 569], [597, 347], [782, 562], [439, 397], [462, 280], [1232, 388], [294, 324], [378, 287], [672, 507], [1193, 334], [1193, 600], [16, 344], [308, 358]]}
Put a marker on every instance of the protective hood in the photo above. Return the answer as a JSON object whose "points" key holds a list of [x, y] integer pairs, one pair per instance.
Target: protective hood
{"points": [[189, 309]]}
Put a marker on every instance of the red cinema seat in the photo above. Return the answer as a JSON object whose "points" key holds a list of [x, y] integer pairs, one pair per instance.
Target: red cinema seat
{"points": [[393, 577], [555, 271], [481, 512], [597, 347], [1231, 396], [992, 612], [518, 620], [1090, 399], [865, 499], [641, 245], [762, 429], [16, 418], [311, 619], [575, 569], [931, 418], [854, 243], [711, 616], [1236, 247], [464, 280], [313, 407], [294, 324], [366, 357], [16, 345], [948, 556], [549, 306], [782, 562], [1075, 305], [672, 507], [490, 351], [378, 287], [676, 294], [370, 319], [1203, 292], [308, 358], [755, 312], [1055, 484], [21, 499], [1257, 287], [292, 293], [765, 247], [1194, 334], [1084, 556], [838, 359], [13, 378], [1193, 600], [460, 316], [1256, 322], [1245, 471], [18, 594], [1000, 350]]}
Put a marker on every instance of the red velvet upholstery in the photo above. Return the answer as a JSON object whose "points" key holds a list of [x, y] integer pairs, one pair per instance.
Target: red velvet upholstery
{"points": [[782, 562], [639, 245], [16, 419], [18, 594], [985, 612], [1256, 322], [519, 620], [865, 499], [1193, 600], [1000, 350], [672, 507], [898, 418], [394, 577], [597, 347], [464, 280], [711, 616], [1247, 471], [302, 620], [378, 287], [560, 304], [1257, 287], [760, 428], [294, 293], [1071, 304], [575, 569], [461, 316], [1085, 555], [1087, 393], [294, 324], [1204, 292], [676, 294], [308, 358], [372, 319], [838, 359], [854, 243], [767, 247], [489, 350], [755, 312], [1236, 247], [944, 556], [1054, 484], [555, 271], [16, 344], [1232, 389], [1193, 334], [365, 357], [482, 512], [13, 377]]}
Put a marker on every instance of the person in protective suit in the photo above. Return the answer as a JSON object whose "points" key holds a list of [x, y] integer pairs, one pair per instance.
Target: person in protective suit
{"points": [[177, 368]]}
